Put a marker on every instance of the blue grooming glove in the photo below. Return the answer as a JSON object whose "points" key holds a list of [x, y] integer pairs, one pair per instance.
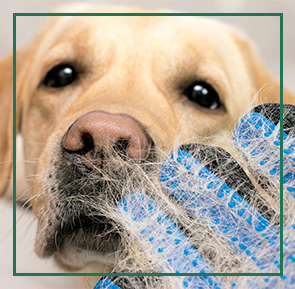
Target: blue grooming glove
{"points": [[214, 189]]}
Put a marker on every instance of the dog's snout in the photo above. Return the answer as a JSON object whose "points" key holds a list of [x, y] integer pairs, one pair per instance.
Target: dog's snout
{"points": [[98, 132]]}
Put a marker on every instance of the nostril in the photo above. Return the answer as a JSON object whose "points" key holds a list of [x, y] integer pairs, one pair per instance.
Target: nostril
{"points": [[88, 143], [78, 142], [121, 146]]}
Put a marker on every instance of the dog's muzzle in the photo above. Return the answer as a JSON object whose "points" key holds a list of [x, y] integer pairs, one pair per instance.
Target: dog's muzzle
{"points": [[98, 158]]}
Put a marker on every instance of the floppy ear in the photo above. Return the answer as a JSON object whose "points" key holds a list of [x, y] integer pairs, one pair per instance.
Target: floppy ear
{"points": [[6, 134], [265, 84], [6, 113]]}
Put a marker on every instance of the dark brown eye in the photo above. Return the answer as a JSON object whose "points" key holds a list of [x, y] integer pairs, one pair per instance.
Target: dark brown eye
{"points": [[60, 75], [203, 94]]}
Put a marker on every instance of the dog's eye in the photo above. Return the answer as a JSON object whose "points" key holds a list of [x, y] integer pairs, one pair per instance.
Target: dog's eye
{"points": [[60, 76], [203, 94]]}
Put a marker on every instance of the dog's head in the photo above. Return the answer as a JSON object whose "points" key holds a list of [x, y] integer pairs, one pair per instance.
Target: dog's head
{"points": [[100, 97]]}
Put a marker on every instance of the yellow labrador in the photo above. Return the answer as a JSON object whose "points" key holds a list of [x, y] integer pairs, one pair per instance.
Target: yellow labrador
{"points": [[91, 86]]}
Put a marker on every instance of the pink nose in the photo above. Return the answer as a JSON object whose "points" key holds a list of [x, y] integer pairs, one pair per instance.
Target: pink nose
{"points": [[97, 132]]}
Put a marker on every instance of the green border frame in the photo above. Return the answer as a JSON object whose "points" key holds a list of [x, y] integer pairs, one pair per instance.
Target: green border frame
{"points": [[280, 15]]}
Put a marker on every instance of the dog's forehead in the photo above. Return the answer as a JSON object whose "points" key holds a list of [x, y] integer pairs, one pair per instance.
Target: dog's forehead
{"points": [[176, 40], [130, 30]]}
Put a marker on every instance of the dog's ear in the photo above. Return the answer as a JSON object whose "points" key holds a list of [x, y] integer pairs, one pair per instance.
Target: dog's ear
{"points": [[6, 111], [265, 84]]}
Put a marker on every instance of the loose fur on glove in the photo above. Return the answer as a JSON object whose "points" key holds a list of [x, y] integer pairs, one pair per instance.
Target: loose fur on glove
{"points": [[215, 218]]}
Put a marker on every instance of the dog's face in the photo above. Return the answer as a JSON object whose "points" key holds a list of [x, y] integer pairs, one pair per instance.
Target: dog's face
{"points": [[99, 94]]}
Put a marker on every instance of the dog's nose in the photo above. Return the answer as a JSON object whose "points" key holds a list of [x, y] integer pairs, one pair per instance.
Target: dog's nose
{"points": [[99, 132]]}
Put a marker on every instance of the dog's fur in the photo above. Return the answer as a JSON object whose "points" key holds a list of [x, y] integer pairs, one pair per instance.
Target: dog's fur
{"points": [[138, 66]]}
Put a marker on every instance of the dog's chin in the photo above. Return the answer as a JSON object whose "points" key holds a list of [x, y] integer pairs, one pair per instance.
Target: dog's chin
{"points": [[74, 246], [74, 259]]}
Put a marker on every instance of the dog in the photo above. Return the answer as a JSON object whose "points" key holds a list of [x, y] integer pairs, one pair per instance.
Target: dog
{"points": [[93, 91]]}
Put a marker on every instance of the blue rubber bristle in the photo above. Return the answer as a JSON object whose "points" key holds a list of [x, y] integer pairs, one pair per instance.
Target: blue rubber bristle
{"points": [[106, 284], [156, 233], [222, 208], [258, 139]]}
